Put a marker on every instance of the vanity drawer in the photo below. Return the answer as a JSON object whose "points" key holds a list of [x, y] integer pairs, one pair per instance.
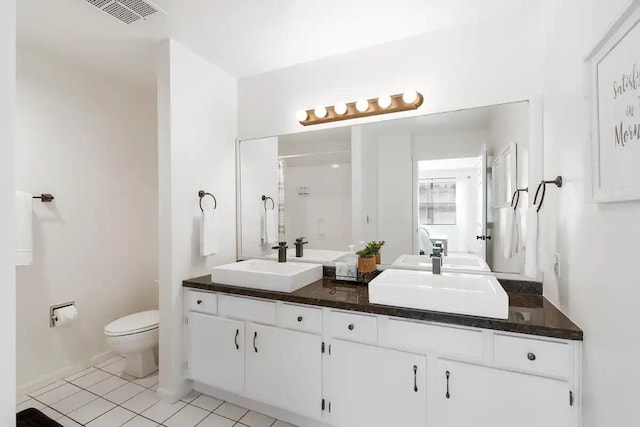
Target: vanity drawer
{"points": [[425, 338], [534, 356], [247, 309], [203, 302], [300, 318], [354, 327]]}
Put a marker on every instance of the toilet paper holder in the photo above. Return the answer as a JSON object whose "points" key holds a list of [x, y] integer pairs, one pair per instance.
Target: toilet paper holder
{"points": [[52, 316]]}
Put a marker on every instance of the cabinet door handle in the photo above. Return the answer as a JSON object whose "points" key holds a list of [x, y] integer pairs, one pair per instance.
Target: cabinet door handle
{"points": [[236, 339], [531, 356], [255, 336], [415, 380], [350, 326], [447, 395], [299, 318], [199, 302]]}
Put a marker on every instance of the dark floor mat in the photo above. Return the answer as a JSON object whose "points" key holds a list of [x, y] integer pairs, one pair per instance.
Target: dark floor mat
{"points": [[31, 417]]}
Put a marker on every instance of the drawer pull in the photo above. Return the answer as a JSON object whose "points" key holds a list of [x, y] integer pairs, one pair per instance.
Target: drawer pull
{"points": [[299, 318], [350, 326], [236, 339], [199, 302], [255, 336], [415, 380], [531, 356], [447, 374]]}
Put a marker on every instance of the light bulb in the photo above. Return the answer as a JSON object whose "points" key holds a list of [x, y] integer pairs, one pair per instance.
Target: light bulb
{"points": [[335, 166], [410, 96], [320, 112], [384, 101], [362, 105], [340, 108], [302, 116]]}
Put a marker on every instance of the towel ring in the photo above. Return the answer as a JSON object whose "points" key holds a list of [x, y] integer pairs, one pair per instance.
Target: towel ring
{"points": [[516, 197], [202, 194], [273, 204], [543, 185]]}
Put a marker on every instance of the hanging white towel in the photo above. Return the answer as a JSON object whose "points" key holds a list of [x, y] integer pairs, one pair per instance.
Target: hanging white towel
{"points": [[209, 233], [514, 238], [531, 244], [269, 226], [24, 228]]}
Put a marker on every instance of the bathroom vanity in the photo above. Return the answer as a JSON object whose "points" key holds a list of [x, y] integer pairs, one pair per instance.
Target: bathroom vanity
{"points": [[325, 356]]}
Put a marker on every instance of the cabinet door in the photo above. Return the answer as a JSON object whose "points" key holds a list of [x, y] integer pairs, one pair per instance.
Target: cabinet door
{"points": [[284, 369], [372, 386], [216, 351], [476, 395]]}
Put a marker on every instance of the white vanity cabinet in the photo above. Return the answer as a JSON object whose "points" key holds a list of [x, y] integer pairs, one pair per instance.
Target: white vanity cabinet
{"points": [[465, 395], [216, 351], [284, 369], [376, 387]]}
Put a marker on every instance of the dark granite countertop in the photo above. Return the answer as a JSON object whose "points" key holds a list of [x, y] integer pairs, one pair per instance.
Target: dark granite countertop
{"points": [[528, 313]]}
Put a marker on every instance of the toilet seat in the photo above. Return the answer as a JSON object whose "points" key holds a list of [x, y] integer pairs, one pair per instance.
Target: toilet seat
{"points": [[133, 324]]}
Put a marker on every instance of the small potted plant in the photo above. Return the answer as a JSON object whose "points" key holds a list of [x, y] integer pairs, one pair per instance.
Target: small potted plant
{"points": [[366, 260]]}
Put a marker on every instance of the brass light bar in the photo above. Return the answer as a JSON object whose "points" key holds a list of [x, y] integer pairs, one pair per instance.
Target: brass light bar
{"points": [[397, 105]]}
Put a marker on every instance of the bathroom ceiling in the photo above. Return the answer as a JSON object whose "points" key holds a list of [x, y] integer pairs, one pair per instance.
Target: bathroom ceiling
{"points": [[243, 37]]}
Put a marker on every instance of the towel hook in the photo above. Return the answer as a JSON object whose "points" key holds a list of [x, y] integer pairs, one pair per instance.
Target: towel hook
{"points": [[516, 197], [45, 197], [202, 194], [273, 204], [543, 185]]}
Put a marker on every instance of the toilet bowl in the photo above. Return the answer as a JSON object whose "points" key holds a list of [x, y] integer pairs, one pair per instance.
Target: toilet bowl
{"points": [[135, 336]]}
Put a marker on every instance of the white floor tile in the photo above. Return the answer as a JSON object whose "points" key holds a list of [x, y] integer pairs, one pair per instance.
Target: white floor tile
{"points": [[191, 396], [80, 374], [256, 419], [141, 402], [124, 393], [22, 399], [279, 423], [214, 420], [47, 388], [149, 381], [90, 379], [140, 422], [51, 413], [117, 367], [105, 386], [114, 418], [232, 411], [109, 361], [189, 416], [74, 401], [91, 410], [68, 422], [30, 403], [161, 411], [207, 402], [57, 394]]}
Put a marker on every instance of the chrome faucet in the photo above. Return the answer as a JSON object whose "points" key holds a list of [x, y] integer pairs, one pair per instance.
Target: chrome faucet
{"points": [[436, 259], [299, 247], [282, 251]]}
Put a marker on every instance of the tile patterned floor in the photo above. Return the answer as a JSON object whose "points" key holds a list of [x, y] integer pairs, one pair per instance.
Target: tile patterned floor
{"points": [[104, 396]]}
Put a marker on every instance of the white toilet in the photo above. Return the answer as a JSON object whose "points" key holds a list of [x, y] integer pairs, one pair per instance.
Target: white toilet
{"points": [[136, 337]]}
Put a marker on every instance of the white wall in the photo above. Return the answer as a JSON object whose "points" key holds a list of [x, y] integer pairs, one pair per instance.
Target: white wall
{"points": [[197, 104], [323, 216], [461, 67], [448, 145], [598, 244], [7, 188], [96, 243], [259, 176]]}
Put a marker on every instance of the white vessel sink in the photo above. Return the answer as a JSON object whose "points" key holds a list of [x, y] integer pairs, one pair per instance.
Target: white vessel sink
{"points": [[474, 295], [451, 262], [267, 275], [312, 255]]}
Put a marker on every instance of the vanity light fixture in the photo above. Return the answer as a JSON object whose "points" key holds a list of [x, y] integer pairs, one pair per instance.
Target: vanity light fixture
{"points": [[409, 100]]}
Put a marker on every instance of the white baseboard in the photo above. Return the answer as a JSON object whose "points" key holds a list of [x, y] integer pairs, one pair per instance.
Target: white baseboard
{"points": [[169, 395], [25, 388]]}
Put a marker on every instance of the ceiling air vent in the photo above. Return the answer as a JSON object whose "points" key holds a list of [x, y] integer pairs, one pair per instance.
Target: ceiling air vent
{"points": [[127, 11]]}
